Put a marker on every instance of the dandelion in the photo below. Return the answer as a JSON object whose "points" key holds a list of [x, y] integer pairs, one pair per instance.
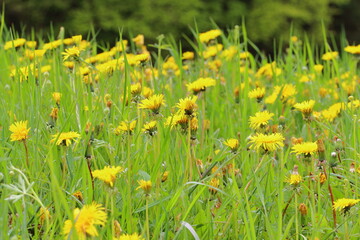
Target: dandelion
{"points": [[200, 85], [150, 128], [209, 35], [71, 53], [329, 56], [353, 49], [187, 105], [57, 97], [108, 174], [139, 40], [135, 89], [232, 143], [214, 183], [153, 103], [318, 68], [20, 131], [44, 215], [15, 43], [85, 220], [295, 178], [187, 56], [269, 142], [257, 93], [125, 127], [303, 209], [144, 185], [133, 236], [65, 138], [78, 195], [305, 107], [306, 148], [260, 120], [165, 176], [147, 92], [344, 204]]}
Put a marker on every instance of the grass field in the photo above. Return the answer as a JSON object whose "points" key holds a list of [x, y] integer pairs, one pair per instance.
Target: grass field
{"points": [[138, 141]]}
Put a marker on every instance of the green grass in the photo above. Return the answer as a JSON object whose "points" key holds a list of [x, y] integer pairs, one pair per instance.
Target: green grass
{"points": [[252, 196]]}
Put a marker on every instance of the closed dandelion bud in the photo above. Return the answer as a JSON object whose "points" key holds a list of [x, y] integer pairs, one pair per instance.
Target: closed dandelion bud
{"points": [[303, 209], [44, 215], [199, 163], [117, 229], [322, 178], [54, 113], [321, 149], [165, 176], [352, 167], [109, 103], [350, 98], [78, 195], [214, 183]]}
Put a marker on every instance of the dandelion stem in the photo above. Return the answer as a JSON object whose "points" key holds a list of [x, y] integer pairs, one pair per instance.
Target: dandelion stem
{"points": [[26, 153], [147, 218], [331, 196], [288, 204]]}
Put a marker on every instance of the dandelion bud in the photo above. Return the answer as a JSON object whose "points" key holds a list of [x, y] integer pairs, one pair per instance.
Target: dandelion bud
{"points": [[78, 195], [350, 98], [322, 178], [352, 167], [303, 209], [214, 183], [109, 103], [321, 149], [117, 229], [165, 176]]}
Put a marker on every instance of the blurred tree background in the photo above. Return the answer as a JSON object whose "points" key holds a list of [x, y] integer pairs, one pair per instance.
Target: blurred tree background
{"points": [[265, 20]]}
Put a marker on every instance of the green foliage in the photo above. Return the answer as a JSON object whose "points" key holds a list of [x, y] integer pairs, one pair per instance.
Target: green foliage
{"points": [[265, 19]]}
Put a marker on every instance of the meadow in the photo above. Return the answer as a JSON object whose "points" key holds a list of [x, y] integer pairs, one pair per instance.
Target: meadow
{"points": [[146, 141]]}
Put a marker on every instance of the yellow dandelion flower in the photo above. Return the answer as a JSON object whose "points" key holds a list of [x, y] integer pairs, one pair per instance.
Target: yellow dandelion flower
{"points": [[305, 107], [147, 92], [84, 221], [318, 68], [150, 128], [294, 179], [261, 119], [353, 49], [108, 174], [65, 138], [287, 91], [135, 89], [73, 52], [209, 35], [57, 97], [257, 93], [139, 40], [31, 44], [306, 148], [344, 204], [125, 127], [232, 143], [269, 142], [153, 103], [200, 85], [187, 105], [329, 56], [144, 185], [15, 43], [188, 56], [20, 131], [133, 236]]}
